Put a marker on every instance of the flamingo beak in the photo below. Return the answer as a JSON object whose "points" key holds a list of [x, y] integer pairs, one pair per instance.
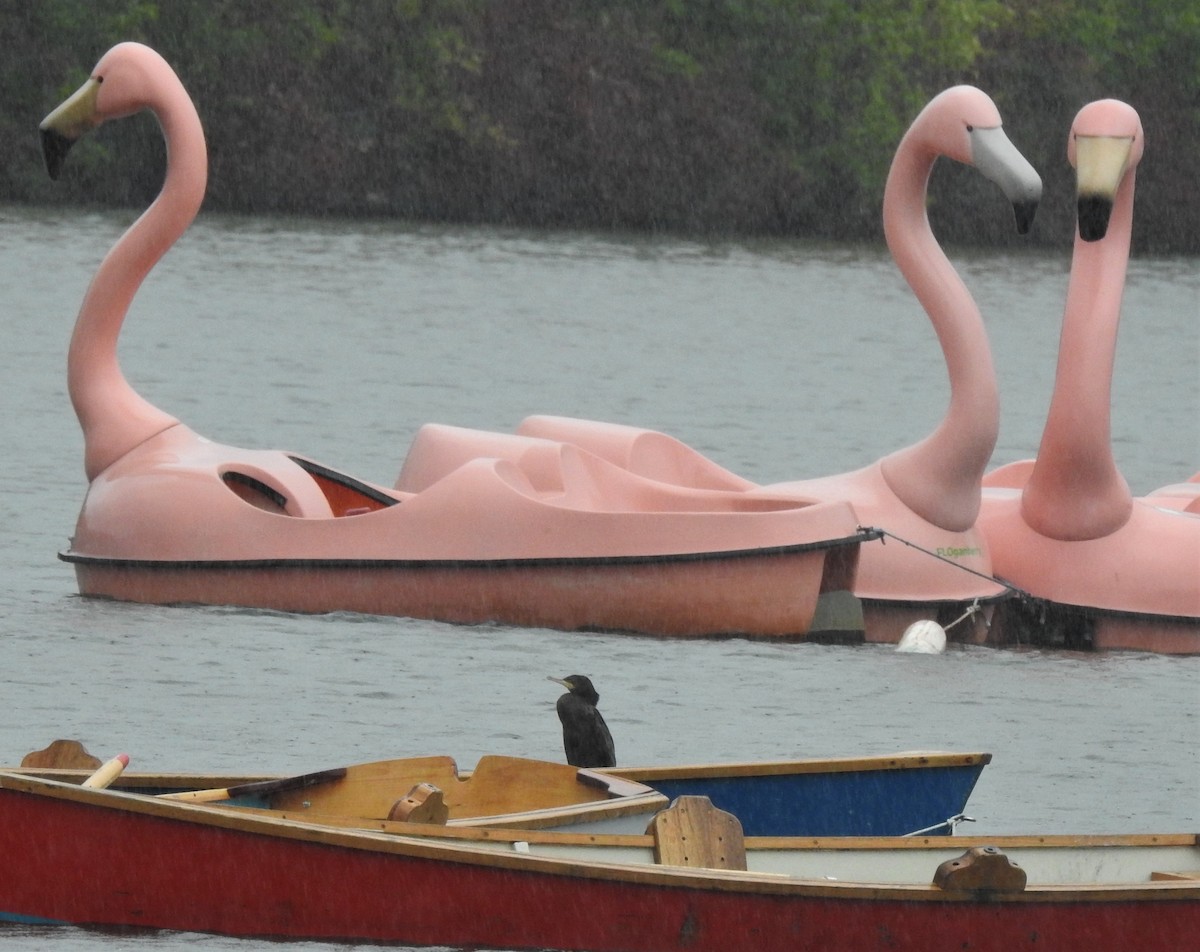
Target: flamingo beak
{"points": [[64, 126], [1100, 165], [998, 159]]}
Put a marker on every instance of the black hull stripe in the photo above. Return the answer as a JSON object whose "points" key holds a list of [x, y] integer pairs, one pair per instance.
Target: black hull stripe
{"points": [[585, 562]]}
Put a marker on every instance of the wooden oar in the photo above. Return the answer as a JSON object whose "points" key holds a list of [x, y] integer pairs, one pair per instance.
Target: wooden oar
{"points": [[497, 785], [106, 773], [258, 788]]}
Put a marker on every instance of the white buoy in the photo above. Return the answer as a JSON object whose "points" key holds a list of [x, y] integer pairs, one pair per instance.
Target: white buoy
{"points": [[923, 637]]}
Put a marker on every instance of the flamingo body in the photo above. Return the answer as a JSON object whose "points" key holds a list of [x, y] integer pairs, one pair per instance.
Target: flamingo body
{"points": [[1064, 526], [170, 516], [1118, 572], [929, 493]]}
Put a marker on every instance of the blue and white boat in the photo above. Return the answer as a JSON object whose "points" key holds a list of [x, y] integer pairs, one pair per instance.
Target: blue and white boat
{"points": [[896, 795]]}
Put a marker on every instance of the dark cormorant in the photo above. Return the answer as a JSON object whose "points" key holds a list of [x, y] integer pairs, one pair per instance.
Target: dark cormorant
{"points": [[586, 739]]}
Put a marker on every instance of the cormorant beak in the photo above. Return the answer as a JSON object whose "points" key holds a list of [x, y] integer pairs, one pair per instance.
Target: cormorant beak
{"points": [[566, 684], [998, 159], [1100, 164], [64, 126]]}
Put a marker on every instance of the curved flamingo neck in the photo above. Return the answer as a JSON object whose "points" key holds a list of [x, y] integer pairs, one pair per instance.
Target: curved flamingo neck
{"points": [[940, 478], [114, 417], [1075, 490]]}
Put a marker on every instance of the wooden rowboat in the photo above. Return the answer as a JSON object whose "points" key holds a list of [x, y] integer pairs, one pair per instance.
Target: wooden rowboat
{"points": [[106, 858], [510, 792], [890, 795]]}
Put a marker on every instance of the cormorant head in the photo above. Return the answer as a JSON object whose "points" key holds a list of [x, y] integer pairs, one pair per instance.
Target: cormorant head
{"points": [[579, 685]]}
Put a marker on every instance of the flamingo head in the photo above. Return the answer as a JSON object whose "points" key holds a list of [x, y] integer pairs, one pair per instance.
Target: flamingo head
{"points": [[1104, 147], [962, 123], [117, 87]]}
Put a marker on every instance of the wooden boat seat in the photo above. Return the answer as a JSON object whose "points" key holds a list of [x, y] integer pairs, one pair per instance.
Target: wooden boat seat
{"points": [[1183, 875], [424, 803], [692, 832], [62, 754], [980, 869], [497, 785]]}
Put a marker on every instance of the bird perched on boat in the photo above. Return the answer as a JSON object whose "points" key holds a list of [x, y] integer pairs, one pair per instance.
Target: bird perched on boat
{"points": [[586, 738]]}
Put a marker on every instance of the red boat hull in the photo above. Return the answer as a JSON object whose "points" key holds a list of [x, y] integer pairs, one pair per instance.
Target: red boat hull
{"points": [[118, 867]]}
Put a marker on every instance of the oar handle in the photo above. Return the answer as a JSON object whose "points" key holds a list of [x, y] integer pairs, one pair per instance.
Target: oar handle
{"points": [[107, 772], [258, 788]]}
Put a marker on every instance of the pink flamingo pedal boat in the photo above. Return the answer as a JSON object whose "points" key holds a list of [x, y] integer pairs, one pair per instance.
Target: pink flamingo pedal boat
{"points": [[568, 541], [927, 494], [1107, 570]]}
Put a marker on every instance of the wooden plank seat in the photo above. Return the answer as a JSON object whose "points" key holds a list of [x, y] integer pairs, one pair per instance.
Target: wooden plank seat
{"points": [[497, 785], [692, 832], [62, 754]]}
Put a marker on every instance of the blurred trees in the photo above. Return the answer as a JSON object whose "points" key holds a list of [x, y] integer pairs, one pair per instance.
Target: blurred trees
{"points": [[703, 116]]}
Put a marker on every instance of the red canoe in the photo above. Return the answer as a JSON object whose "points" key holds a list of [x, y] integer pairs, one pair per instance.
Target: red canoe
{"points": [[97, 857]]}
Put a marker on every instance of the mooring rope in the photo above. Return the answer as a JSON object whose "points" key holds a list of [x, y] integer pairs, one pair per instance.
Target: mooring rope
{"points": [[884, 535], [951, 822], [971, 610]]}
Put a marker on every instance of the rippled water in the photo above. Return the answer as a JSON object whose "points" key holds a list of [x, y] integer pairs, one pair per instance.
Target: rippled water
{"points": [[779, 360]]}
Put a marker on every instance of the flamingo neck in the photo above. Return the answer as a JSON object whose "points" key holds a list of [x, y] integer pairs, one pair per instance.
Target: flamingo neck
{"points": [[1075, 490], [113, 416], [940, 478]]}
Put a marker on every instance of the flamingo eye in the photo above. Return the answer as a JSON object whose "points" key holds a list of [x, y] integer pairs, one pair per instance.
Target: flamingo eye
{"points": [[970, 128]]}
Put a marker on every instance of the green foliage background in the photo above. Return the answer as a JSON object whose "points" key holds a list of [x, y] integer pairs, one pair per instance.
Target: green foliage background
{"points": [[770, 117]]}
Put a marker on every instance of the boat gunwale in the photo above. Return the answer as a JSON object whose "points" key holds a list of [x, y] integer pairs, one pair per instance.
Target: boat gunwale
{"points": [[864, 534], [905, 760]]}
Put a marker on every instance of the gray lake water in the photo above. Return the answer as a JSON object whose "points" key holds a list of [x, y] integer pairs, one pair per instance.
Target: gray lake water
{"points": [[777, 359]]}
